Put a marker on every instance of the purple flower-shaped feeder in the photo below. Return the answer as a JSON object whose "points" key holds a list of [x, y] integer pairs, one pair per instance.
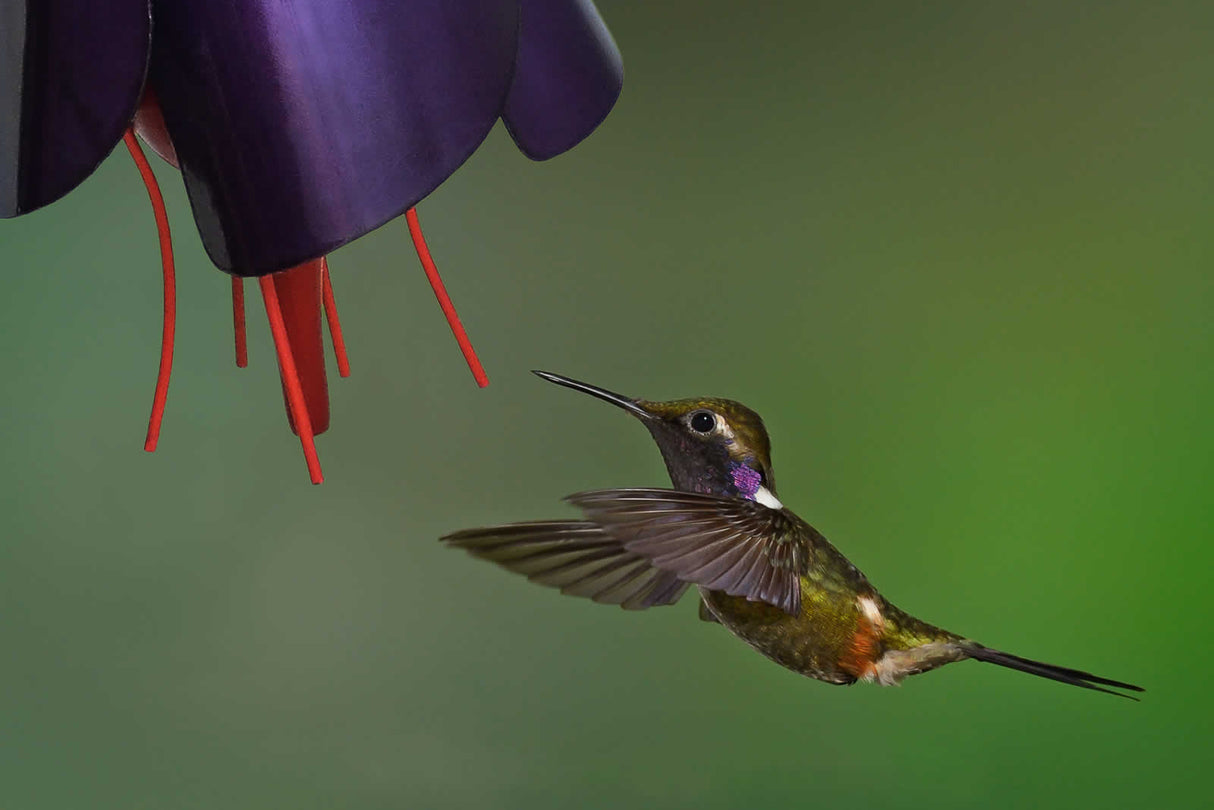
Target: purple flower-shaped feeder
{"points": [[298, 125]]}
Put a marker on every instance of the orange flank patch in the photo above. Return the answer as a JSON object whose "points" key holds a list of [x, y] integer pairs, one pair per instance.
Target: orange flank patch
{"points": [[860, 657]]}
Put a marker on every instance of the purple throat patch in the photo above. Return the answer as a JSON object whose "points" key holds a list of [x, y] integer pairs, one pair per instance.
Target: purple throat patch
{"points": [[746, 480]]}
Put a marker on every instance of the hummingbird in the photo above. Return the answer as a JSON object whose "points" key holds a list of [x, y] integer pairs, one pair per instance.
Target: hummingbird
{"points": [[763, 573]]}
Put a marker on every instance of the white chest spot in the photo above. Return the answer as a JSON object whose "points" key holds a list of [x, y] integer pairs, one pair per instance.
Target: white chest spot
{"points": [[764, 496], [871, 611]]}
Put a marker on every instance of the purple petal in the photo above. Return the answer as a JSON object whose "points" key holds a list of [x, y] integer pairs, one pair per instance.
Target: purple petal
{"points": [[71, 74], [303, 124], [568, 76]]}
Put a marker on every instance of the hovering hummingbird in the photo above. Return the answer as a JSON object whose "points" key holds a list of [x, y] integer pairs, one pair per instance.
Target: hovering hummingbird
{"points": [[763, 573]]}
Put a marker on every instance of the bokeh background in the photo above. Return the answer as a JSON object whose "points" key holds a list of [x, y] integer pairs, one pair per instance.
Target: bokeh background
{"points": [[957, 254]]}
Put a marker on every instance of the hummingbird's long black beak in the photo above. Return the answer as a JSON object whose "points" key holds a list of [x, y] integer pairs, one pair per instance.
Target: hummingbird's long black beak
{"points": [[624, 402]]}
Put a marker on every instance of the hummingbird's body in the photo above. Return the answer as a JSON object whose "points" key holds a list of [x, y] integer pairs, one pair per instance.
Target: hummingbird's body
{"points": [[838, 636], [763, 573]]}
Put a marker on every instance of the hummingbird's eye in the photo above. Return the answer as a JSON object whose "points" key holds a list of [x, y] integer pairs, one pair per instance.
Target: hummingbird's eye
{"points": [[703, 422]]}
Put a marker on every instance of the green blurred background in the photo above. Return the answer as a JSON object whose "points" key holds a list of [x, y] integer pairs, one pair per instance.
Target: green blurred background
{"points": [[958, 256]]}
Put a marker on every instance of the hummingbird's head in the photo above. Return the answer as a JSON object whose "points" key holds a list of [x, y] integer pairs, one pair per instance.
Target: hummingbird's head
{"points": [[713, 446]]}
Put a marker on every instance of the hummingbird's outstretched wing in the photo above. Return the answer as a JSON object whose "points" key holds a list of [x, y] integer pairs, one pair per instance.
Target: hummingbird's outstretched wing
{"points": [[724, 544], [578, 557]]}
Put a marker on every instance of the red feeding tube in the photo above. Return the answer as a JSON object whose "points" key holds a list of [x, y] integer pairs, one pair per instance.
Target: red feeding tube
{"points": [[299, 301], [290, 378]]}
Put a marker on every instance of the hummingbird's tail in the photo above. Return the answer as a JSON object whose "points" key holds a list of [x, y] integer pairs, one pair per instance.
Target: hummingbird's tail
{"points": [[1075, 677]]}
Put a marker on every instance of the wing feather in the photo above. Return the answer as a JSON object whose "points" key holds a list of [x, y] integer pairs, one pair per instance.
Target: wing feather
{"points": [[577, 557], [644, 547], [737, 546]]}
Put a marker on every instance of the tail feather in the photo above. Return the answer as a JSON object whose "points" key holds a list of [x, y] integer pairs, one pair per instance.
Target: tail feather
{"points": [[1075, 677]]}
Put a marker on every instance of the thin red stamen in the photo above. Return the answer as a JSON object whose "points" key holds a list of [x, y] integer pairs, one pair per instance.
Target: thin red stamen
{"points": [[242, 344], [170, 290], [290, 377], [444, 301], [339, 342]]}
